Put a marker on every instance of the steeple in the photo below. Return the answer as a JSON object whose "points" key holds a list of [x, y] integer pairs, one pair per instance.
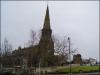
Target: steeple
{"points": [[47, 20], [46, 43]]}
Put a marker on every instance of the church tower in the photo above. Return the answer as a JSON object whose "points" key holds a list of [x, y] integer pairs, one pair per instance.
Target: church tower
{"points": [[46, 43]]}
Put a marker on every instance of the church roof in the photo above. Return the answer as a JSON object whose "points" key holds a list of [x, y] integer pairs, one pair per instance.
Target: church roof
{"points": [[47, 19]]}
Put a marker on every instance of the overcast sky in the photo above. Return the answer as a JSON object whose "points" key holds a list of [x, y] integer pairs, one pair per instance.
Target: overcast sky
{"points": [[77, 19]]}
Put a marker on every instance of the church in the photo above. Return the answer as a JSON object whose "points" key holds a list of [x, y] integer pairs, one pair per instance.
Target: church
{"points": [[43, 52]]}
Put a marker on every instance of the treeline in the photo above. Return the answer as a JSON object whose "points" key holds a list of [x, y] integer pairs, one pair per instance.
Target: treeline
{"points": [[10, 58]]}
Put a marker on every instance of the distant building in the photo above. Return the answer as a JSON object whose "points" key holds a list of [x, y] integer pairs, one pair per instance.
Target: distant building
{"points": [[77, 59], [85, 62], [92, 61]]}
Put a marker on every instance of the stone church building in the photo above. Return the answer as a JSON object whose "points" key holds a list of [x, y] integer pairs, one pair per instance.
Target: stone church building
{"points": [[42, 53]]}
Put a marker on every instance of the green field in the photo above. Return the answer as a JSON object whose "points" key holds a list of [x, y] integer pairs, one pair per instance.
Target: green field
{"points": [[78, 69]]}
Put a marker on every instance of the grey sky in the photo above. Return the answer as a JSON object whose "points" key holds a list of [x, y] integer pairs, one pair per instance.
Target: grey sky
{"points": [[76, 19]]}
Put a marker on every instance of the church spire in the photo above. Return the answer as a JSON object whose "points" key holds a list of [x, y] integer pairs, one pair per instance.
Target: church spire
{"points": [[46, 43], [47, 20]]}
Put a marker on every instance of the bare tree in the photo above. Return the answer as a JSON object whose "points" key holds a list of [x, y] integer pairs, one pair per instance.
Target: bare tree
{"points": [[7, 47], [0, 55], [6, 53], [34, 38], [0, 51], [61, 47]]}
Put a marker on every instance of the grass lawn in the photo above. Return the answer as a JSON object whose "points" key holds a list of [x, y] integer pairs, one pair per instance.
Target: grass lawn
{"points": [[78, 69]]}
